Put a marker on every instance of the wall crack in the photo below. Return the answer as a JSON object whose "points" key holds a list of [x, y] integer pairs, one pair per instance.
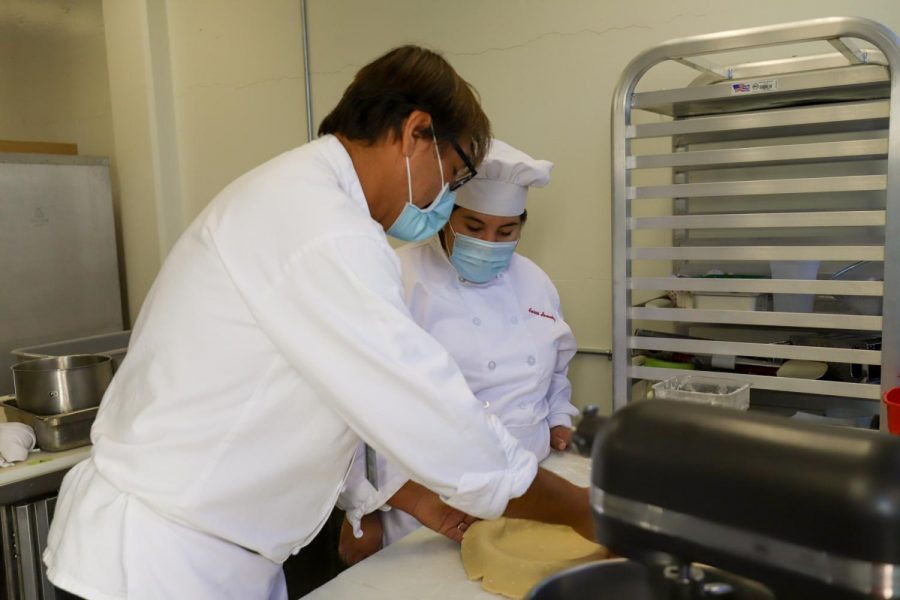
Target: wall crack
{"points": [[538, 38]]}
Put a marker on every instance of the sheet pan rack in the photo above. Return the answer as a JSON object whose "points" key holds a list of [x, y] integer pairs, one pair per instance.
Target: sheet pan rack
{"points": [[723, 169]]}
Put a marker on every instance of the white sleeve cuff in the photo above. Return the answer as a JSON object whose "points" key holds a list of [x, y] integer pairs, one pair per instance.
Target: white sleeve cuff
{"points": [[485, 495], [558, 419], [358, 497]]}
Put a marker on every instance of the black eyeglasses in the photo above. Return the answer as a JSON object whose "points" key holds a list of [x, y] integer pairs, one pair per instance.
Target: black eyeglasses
{"points": [[468, 172]]}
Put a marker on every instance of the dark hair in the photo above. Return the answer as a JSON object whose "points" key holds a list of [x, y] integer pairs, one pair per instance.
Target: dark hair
{"points": [[384, 92]]}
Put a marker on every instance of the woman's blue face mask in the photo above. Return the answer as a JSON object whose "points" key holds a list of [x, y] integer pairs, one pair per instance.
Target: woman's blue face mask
{"points": [[416, 223], [479, 261]]}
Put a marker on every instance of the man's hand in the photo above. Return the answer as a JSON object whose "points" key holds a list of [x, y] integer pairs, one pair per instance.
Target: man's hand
{"points": [[351, 549], [552, 499], [428, 508], [560, 437]]}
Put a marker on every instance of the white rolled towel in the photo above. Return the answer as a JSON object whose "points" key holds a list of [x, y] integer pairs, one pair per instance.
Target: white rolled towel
{"points": [[16, 441]]}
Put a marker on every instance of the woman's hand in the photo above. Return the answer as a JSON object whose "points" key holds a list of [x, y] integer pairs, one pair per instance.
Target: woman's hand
{"points": [[560, 437], [427, 507], [440, 517], [351, 549]]}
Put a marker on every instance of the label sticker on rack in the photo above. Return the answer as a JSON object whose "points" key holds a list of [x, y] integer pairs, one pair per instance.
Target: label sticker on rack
{"points": [[754, 87]]}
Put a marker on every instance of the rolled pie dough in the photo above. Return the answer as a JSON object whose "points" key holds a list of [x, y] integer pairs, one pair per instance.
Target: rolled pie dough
{"points": [[511, 556]]}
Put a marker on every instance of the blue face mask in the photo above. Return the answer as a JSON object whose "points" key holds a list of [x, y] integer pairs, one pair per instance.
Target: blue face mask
{"points": [[479, 261], [416, 223]]}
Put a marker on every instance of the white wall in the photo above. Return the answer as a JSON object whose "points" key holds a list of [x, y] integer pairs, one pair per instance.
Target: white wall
{"points": [[546, 72], [239, 98], [53, 82], [202, 90]]}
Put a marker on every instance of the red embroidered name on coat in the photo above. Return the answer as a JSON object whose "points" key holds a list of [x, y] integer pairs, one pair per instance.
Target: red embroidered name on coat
{"points": [[541, 313]]}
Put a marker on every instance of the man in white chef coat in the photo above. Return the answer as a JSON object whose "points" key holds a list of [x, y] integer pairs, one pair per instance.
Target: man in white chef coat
{"points": [[273, 340]]}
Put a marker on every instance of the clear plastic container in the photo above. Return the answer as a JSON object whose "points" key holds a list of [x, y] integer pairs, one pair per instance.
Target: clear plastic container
{"points": [[704, 390], [793, 269], [729, 301]]}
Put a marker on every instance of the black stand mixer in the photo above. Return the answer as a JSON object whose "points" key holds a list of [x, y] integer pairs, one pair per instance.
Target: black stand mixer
{"points": [[706, 502]]}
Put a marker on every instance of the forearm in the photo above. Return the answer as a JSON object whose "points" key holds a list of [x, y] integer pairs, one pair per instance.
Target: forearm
{"points": [[407, 498], [552, 499], [430, 510]]}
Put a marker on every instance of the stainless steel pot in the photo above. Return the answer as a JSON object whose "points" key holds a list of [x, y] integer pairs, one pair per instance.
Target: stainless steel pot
{"points": [[62, 384]]}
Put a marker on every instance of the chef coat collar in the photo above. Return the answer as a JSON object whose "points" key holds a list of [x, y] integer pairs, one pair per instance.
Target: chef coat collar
{"points": [[340, 160]]}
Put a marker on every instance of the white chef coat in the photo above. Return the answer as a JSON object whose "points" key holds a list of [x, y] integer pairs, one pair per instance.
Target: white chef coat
{"points": [[274, 338], [509, 339]]}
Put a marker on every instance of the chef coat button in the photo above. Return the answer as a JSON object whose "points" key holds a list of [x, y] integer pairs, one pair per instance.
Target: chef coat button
{"points": [[486, 403], [476, 321], [531, 360], [492, 365], [522, 405], [461, 279], [514, 320]]}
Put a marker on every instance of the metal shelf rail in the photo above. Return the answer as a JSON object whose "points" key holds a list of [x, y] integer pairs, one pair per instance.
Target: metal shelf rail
{"points": [[792, 147]]}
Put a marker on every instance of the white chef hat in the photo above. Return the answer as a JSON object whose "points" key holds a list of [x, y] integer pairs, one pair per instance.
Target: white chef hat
{"points": [[503, 180]]}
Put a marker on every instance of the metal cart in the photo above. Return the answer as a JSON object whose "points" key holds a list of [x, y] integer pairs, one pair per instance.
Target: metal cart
{"points": [[788, 158]]}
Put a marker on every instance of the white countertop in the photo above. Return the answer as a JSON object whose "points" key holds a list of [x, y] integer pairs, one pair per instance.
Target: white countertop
{"points": [[425, 565], [41, 463]]}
